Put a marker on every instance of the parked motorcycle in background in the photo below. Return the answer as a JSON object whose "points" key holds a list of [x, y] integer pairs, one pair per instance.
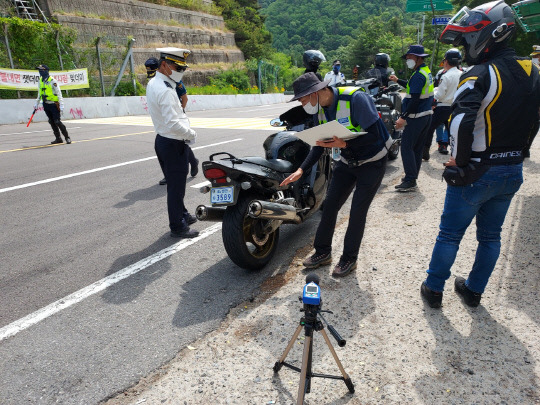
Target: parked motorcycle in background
{"points": [[245, 194], [388, 103]]}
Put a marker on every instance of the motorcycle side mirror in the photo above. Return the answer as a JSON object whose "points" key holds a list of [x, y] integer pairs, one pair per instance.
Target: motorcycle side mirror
{"points": [[276, 122]]}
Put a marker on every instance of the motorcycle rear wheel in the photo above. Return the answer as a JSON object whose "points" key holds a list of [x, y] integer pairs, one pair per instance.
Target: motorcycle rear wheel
{"points": [[245, 243], [393, 151]]}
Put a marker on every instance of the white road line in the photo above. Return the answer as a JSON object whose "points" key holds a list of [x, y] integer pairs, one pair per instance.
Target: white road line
{"points": [[67, 176], [35, 132], [199, 185], [63, 303]]}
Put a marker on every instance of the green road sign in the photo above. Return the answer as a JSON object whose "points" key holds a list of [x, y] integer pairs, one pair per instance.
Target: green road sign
{"points": [[418, 6]]}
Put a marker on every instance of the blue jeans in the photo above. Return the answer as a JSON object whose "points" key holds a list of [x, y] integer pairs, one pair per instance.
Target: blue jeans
{"points": [[442, 134], [488, 200]]}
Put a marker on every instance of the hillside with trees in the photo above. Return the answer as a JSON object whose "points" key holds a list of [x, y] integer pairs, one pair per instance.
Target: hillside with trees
{"points": [[354, 31]]}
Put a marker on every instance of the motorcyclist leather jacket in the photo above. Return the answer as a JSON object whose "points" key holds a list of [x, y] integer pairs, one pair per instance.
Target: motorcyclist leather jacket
{"points": [[495, 110], [356, 111]]}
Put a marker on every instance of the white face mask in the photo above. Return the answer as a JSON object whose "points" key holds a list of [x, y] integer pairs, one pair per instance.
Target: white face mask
{"points": [[310, 108], [176, 76], [536, 60], [411, 63]]}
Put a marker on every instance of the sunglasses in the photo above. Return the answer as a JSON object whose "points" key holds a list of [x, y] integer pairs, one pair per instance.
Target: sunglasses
{"points": [[176, 67]]}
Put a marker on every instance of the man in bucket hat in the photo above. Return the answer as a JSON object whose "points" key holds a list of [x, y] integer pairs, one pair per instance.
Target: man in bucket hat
{"points": [[361, 164], [416, 114]]}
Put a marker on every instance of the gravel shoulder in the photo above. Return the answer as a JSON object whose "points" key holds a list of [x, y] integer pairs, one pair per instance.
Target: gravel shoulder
{"points": [[399, 351]]}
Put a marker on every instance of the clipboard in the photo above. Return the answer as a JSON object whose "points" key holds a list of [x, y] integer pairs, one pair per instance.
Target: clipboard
{"points": [[326, 132]]}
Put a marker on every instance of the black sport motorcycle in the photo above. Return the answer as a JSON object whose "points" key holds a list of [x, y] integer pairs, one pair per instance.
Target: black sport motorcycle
{"points": [[245, 194], [388, 103]]}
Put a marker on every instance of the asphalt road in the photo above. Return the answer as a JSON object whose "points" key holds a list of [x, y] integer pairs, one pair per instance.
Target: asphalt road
{"points": [[94, 294], [73, 215]]}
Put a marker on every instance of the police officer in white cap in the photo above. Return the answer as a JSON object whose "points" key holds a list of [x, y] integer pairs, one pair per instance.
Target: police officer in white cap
{"points": [[173, 135]]}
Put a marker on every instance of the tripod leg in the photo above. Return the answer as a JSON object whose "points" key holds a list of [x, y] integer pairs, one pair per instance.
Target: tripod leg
{"points": [[303, 372], [346, 377], [279, 363]]}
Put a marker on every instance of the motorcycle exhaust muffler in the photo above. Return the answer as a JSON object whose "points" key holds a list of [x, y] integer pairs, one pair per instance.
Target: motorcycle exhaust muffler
{"points": [[211, 214], [269, 210]]}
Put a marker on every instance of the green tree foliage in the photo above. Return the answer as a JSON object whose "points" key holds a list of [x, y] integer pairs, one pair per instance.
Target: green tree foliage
{"points": [[251, 35], [298, 25], [376, 36], [237, 78], [32, 43]]}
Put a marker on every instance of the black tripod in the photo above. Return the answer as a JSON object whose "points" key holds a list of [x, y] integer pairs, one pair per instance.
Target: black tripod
{"points": [[311, 323]]}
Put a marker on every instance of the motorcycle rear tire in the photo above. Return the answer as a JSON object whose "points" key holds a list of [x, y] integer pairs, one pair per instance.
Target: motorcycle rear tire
{"points": [[244, 243]]}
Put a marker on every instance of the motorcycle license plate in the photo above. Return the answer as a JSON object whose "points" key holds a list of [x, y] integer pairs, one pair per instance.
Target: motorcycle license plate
{"points": [[222, 195]]}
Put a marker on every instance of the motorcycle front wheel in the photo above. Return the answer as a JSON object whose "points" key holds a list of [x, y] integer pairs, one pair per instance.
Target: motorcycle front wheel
{"points": [[243, 237]]}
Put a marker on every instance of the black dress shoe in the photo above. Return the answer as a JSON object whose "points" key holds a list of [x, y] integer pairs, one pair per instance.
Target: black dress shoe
{"points": [[58, 140], [195, 168], [185, 234], [406, 185], [163, 182], [190, 219]]}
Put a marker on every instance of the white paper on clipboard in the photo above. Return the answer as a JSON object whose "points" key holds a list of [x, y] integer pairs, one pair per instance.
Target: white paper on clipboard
{"points": [[326, 132]]}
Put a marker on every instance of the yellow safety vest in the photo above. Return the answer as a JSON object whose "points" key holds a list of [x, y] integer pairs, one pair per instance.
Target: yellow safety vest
{"points": [[428, 90], [343, 111], [46, 89]]}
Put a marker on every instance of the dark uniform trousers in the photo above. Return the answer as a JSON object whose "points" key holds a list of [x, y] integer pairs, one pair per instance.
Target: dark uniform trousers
{"points": [[412, 145], [440, 116], [173, 160], [366, 178], [53, 114]]}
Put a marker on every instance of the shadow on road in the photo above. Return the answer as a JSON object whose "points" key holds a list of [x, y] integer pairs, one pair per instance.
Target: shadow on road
{"points": [[143, 194], [130, 288], [490, 362]]}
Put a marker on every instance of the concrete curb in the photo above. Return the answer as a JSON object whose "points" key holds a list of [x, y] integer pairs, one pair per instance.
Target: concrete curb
{"points": [[19, 111]]}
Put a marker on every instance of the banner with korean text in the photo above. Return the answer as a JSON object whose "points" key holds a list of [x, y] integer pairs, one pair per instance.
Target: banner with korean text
{"points": [[19, 79]]}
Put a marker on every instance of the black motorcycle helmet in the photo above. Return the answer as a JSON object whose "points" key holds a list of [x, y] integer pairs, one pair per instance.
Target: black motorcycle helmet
{"points": [[453, 57], [382, 59], [481, 30], [312, 59]]}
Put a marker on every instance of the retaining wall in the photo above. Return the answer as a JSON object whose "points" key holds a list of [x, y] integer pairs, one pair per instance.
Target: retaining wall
{"points": [[133, 10], [204, 34], [19, 111]]}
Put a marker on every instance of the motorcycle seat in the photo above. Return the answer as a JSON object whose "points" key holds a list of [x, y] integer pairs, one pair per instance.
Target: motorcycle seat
{"points": [[279, 165]]}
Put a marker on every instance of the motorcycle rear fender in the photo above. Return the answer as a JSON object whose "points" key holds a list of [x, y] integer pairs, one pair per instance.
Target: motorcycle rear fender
{"points": [[262, 179]]}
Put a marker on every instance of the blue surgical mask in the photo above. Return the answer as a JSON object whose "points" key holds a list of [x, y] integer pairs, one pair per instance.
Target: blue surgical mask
{"points": [[44, 74], [336, 68]]}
